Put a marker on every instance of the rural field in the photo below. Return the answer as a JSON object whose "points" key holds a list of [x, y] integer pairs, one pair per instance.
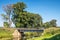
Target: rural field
{"points": [[48, 34], [29, 19]]}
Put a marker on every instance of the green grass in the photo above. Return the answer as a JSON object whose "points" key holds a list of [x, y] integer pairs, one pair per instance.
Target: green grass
{"points": [[55, 37], [6, 33], [48, 34]]}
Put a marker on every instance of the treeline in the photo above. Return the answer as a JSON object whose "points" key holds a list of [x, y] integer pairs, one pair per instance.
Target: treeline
{"points": [[17, 14]]}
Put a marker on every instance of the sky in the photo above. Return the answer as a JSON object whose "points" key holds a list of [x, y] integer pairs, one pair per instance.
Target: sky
{"points": [[48, 9]]}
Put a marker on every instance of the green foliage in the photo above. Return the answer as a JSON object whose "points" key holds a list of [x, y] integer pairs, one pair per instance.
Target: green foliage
{"points": [[25, 19], [46, 25], [6, 25], [32, 34], [19, 7], [51, 23], [7, 16]]}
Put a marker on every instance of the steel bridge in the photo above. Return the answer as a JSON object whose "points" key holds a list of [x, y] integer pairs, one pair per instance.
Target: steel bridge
{"points": [[30, 29]]}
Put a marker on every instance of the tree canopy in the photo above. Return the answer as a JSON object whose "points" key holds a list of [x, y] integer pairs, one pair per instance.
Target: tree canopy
{"points": [[51, 23], [23, 18]]}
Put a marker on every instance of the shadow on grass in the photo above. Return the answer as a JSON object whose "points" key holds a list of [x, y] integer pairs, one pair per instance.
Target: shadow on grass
{"points": [[56, 37]]}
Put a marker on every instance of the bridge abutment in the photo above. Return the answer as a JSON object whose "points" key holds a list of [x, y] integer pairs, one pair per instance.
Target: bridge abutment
{"points": [[18, 35]]}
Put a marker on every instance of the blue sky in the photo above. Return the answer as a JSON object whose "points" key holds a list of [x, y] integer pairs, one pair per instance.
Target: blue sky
{"points": [[48, 9]]}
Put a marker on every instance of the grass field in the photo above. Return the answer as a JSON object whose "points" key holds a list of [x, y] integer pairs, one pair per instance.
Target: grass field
{"points": [[6, 33], [48, 34]]}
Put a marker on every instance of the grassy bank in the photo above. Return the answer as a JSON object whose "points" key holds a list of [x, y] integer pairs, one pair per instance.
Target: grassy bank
{"points": [[6, 33], [48, 34]]}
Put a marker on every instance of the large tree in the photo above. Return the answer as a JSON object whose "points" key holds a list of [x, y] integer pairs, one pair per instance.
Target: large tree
{"points": [[7, 15], [23, 18]]}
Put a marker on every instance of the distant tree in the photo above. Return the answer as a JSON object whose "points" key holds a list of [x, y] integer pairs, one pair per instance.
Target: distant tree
{"points": [[46, 25], [7, 16], [23, 18], [53, 23]]}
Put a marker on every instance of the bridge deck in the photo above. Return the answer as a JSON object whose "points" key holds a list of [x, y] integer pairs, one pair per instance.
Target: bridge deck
{"points": [[30, 29]]}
